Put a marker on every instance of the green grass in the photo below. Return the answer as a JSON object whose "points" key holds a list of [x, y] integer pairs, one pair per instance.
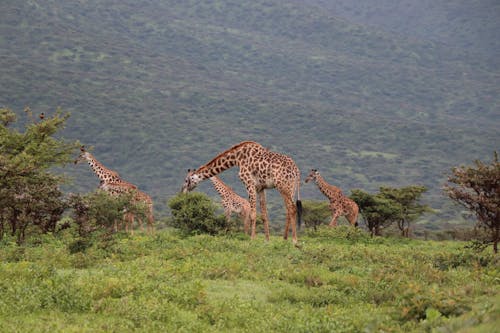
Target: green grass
{"points": [[334, 281]]}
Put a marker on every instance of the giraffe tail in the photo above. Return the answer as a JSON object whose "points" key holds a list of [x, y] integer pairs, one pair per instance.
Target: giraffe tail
{"points": [[298, 203]]}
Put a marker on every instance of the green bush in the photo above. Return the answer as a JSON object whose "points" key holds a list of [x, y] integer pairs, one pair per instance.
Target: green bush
{"points": [[315, 213], [195, 212]]}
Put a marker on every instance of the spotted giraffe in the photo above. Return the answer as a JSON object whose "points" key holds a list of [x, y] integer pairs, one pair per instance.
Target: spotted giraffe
{"points": [[232, 202], [104, 174], [138, 197], [259, 169], [340, 205], [111, 182]]}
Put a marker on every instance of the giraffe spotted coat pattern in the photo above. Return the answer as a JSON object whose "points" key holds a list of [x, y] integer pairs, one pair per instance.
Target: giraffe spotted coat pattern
{"points": [[340, 205], [111, 182], [259, 169], [232, 202]]}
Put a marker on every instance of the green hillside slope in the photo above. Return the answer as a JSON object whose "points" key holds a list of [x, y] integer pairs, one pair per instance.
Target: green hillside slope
{"points": [[161, 86]]}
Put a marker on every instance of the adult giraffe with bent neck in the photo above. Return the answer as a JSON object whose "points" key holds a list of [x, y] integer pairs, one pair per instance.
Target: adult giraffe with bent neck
{"points": [[259, 169], [232, 202], [111, 182], [340, 205]]}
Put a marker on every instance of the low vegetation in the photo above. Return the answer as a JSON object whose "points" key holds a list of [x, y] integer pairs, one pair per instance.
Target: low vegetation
{"points": [[64, 267], [336, 280]]}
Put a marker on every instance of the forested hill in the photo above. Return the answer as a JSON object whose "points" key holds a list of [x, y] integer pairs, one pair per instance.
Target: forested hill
{"points": [[161, 86]]}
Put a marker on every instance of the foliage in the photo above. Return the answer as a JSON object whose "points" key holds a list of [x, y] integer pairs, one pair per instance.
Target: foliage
{"points": [[195, 212], [315, 213], [408, 198], [98, 215], [30, 198], [377, 210], [203, 283], [390, 205], [478, 189], [153, 85]]}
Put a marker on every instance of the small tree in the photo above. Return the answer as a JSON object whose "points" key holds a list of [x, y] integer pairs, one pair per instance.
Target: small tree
{"points": [[315, 213], [195, 212], [478, 189], [99, 211], [29, 193], [377, 210], [407, 197]]}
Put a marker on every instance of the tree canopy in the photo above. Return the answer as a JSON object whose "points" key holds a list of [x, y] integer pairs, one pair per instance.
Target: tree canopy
{"points": [[477, 188], [29, 191]]}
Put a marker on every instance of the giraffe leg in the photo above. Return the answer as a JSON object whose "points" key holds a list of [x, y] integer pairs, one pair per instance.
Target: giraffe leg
{"points": [[227, 214], [263, 209], [252, 199], [291, 213], [141, 225], [129, 223], [246, 221], [151, 220], [333, 222], [353, 216]]}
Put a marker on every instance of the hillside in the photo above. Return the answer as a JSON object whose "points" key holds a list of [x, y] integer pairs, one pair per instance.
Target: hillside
{"points": [[161, 86]]}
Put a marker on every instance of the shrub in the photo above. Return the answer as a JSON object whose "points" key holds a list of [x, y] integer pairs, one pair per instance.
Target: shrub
{"points": [[315, 213], [195, 212]]}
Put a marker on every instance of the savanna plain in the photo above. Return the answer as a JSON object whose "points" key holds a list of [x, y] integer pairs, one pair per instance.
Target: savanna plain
{"points": [[335, 280]]}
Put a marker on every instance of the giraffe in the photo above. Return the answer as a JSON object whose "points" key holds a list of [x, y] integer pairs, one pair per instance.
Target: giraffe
{"points": [[340, 204], [232, 202], [104, 174], [259, 169], [111, 182], [138, 197]]}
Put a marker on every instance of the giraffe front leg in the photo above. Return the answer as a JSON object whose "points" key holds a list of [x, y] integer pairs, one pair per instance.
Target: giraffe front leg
{"points": [[333, 222], [151, 220], [263, 209], [246, 221], [227, 214], [252, 199]]}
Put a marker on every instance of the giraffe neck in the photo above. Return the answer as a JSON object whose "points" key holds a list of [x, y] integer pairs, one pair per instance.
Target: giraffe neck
{"points": [[218, 185], [228, 159], [323, 186], [104, 174]]}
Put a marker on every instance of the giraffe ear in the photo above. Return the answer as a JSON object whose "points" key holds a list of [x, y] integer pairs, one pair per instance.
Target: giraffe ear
{"points": [[82, 148]]}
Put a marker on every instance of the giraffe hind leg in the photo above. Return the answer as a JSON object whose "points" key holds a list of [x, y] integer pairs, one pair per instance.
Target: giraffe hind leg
{"points": [[291, 212]]}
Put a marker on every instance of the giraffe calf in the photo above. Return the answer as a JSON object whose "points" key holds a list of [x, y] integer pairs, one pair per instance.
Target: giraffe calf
{"points": [[340, 205], [232, 203]]}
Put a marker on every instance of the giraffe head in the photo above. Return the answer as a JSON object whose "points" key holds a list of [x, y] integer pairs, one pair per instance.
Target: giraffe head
{"points": [[84, 154], [191, 181], [312, 175]]}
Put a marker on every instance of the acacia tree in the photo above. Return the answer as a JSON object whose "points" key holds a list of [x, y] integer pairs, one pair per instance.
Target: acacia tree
{"points": [[29, 192], [315, 213], [478, 189], [377, 210], [408, 198]]}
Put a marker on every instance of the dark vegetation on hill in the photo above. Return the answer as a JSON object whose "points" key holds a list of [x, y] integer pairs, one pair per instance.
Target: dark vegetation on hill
{"points": [[158, 87]]}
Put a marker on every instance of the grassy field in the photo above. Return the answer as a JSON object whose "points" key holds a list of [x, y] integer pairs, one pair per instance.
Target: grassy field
{"points": [[334, 281]]}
